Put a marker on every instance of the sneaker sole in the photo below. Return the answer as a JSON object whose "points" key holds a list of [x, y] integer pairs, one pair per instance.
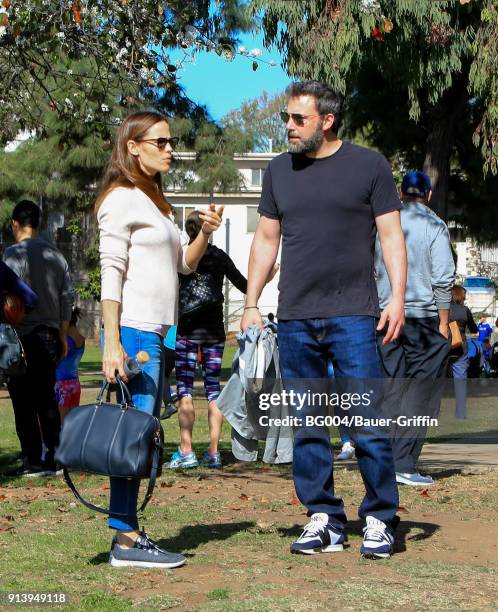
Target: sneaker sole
{"points": [[314, 551], [180, 467], [339, 458], [54, 473], [122, 563], [35, 474], [374, 555], [402, 480]]}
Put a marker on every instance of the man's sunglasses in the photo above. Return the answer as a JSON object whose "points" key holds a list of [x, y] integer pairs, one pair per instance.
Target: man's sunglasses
{"points": [[297, 118], [161, 143]]}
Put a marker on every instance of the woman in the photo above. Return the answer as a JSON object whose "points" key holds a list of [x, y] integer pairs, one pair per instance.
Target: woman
{"points": [[67, 386], [140, 254], [203, 332], [459, 358]]}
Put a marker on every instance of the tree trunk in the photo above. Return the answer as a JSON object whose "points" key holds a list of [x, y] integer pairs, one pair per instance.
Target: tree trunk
{"points": [[440, 141], [437, 161]]}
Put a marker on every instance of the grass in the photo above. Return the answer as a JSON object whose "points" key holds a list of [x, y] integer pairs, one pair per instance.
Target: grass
{"points": [[235, 526]]}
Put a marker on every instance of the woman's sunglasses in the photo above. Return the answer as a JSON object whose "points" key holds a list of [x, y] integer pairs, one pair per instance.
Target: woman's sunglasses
{"points": [[161, 143]]}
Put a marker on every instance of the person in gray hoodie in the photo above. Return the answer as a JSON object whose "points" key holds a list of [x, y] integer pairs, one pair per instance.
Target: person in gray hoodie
{"points": [[421, 350]]}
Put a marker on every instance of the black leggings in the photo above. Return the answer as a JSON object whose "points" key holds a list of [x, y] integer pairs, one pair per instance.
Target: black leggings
{"points": [[169, 364]]}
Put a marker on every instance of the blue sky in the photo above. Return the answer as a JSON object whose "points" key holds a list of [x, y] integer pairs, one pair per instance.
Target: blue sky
{"points": [[222, 86]]}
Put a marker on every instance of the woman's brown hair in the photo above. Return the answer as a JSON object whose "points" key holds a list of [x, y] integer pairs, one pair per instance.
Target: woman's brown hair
{"points": [[458, 294], [123, 169]]}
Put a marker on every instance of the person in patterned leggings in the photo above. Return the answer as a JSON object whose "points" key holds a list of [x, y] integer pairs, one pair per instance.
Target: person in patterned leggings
{"points": [[201, 338]]}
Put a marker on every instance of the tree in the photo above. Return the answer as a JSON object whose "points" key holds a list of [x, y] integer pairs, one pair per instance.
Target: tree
{"points": [[123, 43], [259, 119], [429, 61], [61, 163]]}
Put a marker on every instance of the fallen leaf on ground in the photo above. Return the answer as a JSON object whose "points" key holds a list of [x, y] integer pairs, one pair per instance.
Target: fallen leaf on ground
{"points": [[62, 509], [243, 497], [264, 500], [402, 509], [294, 501], [104, 487], [424, 493], [166, 485]]}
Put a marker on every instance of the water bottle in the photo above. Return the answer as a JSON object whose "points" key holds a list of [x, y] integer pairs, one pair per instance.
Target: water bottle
{"points": [[132, 367]]}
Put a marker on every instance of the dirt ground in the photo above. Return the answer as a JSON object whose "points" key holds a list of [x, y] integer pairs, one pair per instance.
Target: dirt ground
{"points": [[238, 546], [236, 525]]}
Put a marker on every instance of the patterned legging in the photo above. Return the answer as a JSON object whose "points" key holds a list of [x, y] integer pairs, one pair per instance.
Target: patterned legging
{"points": [[186, 358]]}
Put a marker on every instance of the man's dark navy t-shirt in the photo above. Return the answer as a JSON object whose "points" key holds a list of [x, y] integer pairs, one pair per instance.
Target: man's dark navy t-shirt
{"points": [[327, 209]]}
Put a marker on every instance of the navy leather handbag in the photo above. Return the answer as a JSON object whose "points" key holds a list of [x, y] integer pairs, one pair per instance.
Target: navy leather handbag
{"points": [[112, 440]]}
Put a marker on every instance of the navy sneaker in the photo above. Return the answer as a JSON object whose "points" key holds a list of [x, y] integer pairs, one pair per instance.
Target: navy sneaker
{"points": [[378, 539], [211, 461], [319, 536], [145, 553], [168, 411]]}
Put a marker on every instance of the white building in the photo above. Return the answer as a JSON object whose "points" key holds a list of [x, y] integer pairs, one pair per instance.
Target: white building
{"points": [[239, 223]]}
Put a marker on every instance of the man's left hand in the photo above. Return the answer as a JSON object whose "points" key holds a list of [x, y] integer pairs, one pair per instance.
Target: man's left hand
{"points": [[394, 314]]}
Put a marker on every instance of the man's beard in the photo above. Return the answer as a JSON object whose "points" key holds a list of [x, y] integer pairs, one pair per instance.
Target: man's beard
{"points": [[308, 145]]}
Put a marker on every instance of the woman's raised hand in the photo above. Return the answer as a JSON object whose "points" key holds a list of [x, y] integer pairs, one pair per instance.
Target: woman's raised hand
{"points": [[212, 218]]}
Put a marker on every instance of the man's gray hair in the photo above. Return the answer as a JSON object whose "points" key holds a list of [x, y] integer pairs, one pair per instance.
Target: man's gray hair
{"points": [[327, 101]]}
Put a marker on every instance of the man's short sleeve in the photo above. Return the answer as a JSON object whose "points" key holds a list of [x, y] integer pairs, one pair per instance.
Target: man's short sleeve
{"points": [[384, 196], [267, 205]]}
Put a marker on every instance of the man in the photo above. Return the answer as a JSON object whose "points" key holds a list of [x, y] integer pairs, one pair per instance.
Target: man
{"points": [[326, 198], [43, 334], [421, 350]]}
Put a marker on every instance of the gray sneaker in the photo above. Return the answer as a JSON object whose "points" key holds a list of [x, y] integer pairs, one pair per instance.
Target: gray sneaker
{"points": [[145, 553], [414, 480], [31, 471]]}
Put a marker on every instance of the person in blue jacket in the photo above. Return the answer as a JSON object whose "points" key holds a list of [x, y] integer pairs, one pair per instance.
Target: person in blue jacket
{"points": [[484, 329]]}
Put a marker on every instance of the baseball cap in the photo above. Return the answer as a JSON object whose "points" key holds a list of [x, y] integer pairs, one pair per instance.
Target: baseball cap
{"points": [[415, 184]]}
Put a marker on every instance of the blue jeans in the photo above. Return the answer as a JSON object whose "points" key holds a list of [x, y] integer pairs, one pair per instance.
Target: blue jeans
{"points": [[343, 432], [305, 347], [146, 392], [460, 368]]}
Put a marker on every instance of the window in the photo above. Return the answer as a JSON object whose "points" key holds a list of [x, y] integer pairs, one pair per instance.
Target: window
{"points": [[181, 214], [252, 219], [256, 177]]}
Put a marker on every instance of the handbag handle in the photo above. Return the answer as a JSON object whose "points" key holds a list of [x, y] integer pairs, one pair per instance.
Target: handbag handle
{"points": [[126, 401], [148, 494]]}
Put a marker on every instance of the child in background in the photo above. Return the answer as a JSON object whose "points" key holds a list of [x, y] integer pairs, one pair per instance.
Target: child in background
{"points": [[67, 386], [487, 352]]}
